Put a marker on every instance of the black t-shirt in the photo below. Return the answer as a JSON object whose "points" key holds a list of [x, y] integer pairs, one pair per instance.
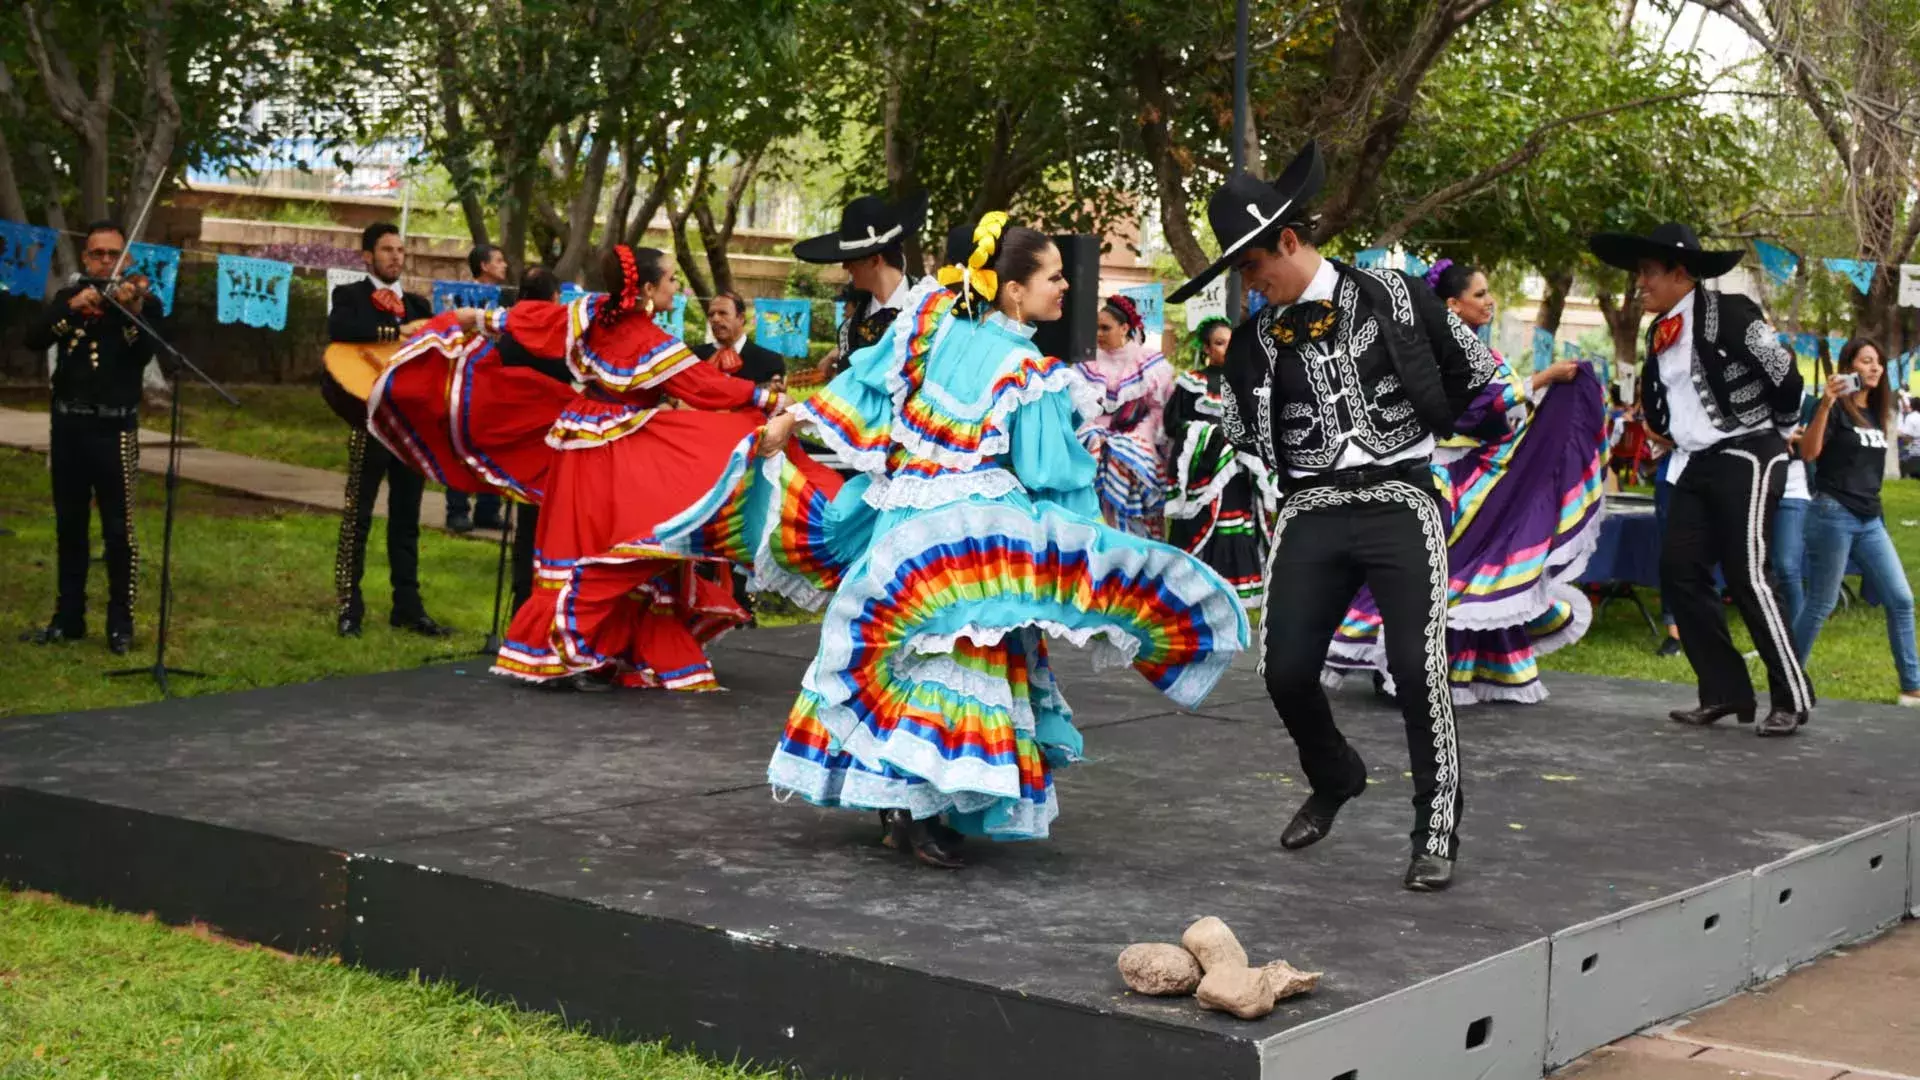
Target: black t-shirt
{"points": [[1852, 461]]}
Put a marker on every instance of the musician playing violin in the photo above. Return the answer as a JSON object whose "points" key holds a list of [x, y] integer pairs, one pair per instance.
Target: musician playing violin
{"points": [[94, 448]]}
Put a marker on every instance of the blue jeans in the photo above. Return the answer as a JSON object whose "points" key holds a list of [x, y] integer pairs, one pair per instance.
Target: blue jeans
{"points": [[1789, 552], [1833, 534]]}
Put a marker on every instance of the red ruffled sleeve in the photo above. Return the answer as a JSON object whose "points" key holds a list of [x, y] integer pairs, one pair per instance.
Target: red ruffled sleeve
{"points": [[703, 386], [540, 326]]}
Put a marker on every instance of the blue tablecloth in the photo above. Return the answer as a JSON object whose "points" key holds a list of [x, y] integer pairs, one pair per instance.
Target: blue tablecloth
{"points": [[1628, 551]]}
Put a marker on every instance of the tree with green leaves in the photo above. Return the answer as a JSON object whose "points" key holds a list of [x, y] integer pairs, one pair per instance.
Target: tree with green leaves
{"points": [[1545, 125], [101, 103], [1853, 67]]}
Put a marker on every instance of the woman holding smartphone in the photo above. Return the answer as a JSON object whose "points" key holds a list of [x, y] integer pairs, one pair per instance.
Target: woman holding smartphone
{"points": [[1846, 442]]}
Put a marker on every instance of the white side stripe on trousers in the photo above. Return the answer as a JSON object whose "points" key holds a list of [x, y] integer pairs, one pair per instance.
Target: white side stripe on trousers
{"points": [[1776, 626]]}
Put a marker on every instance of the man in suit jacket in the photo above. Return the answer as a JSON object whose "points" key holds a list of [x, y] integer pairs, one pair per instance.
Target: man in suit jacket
{"points": [[377, 309], [730, 349]]}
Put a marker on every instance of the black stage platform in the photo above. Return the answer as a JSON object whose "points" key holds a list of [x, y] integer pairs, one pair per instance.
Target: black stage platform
{"points": [[618, 857]]}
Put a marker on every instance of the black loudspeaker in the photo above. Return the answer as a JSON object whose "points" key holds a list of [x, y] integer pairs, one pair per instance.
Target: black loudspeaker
{"points": [[1072, 336]]}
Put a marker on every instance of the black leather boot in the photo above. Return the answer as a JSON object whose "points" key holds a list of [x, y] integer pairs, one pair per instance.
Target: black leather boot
{"points": [[915, 838], [1708, 714]]}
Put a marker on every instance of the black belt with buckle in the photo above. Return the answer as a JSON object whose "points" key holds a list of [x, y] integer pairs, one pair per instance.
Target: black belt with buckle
{"points": [[1365, 476], [94, 409]]}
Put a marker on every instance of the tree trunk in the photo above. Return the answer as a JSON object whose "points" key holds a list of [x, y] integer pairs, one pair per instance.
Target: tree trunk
{"points": [[1554, 304], [622, 204], [86, 116], [457, 153], [586, 202], [41, 162], [663, 186], [12, 206], [1384, 131], [156, 164], [682, 248], [1169, 178], [515, 212], [718, 236], [1623, 323]]}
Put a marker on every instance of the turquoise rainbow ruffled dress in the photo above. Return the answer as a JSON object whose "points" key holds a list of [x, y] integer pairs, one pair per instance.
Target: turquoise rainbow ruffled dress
{"points": [[971, 539]]}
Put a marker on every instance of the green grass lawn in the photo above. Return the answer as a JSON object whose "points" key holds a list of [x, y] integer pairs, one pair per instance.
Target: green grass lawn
{"points": [[1850, 661], [88, 993], [254, 598], [286, 422]]}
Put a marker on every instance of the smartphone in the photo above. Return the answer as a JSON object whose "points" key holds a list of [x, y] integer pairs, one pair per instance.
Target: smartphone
{"points": [[1850, 381]]}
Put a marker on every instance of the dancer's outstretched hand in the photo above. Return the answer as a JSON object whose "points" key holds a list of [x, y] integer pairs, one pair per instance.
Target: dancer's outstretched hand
{"points": [[774, 436]]}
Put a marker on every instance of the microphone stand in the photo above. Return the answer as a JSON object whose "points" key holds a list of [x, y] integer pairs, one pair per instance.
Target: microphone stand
{"points": [[508, 522], [159, 669]]}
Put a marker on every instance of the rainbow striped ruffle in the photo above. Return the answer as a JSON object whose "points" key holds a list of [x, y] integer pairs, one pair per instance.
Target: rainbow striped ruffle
{"points": [[1133, 495], [931, 690], [722, 524], [1527, 514], [656, 355]]}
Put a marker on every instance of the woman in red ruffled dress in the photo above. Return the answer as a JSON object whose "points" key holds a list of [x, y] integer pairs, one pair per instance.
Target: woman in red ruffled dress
{"points": [[652, 472]]}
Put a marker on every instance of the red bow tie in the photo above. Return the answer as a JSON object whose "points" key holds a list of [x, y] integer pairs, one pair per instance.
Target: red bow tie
{"points": [[1665, 333], [386, 301]]}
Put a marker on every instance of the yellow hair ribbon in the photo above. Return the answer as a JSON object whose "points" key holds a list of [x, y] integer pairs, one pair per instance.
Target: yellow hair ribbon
{"points": [[974, 275]]}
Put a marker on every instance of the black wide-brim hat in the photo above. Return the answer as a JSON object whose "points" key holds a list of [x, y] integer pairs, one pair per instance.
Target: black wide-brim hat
{"points": [[867, 226], [1247, 208], [1670, 241]]}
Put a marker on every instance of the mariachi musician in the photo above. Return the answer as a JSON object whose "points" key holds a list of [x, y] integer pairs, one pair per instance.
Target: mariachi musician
{"points": [[377, 311]]}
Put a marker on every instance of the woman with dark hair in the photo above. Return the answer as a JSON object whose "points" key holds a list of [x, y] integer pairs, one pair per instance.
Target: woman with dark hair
{"points": [[1526, 517], [972, 536], [1125, 435], [633, 495], [1222, 502], [1847, 447]]}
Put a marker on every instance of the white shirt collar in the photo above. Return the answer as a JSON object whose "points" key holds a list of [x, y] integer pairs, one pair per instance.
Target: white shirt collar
{"points": [[1321, 287], [392, 287], [736, 346], [1009, 324], [897, 301], [1685, 306]]}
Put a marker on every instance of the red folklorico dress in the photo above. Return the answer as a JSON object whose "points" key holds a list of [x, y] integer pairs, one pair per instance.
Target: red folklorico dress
{"points": [[650, 471]]}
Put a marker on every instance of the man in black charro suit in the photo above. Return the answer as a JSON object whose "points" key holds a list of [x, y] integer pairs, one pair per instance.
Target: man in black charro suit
{"points": [[376, 309]]}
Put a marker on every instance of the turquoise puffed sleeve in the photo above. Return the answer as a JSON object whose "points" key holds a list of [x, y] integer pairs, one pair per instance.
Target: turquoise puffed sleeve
{"points": [[1047, 455], [853, 414]]}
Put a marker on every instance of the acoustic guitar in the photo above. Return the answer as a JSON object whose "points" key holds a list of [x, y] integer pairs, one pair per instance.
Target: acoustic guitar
{"points": [[348, 372]]}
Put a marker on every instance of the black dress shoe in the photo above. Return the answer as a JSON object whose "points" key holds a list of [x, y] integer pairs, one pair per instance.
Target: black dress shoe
{"points": [[491, 522], [1707, 714], [421, 624], [119, 642], [1308, 827], [459, 523], [1780, 722], [53, 634], [917, 838], [1428, 873], [1669, 647], [349, 625]]}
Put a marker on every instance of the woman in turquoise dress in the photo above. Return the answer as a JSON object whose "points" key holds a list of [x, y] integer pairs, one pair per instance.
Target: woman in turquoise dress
{"points": [[971, 539]]}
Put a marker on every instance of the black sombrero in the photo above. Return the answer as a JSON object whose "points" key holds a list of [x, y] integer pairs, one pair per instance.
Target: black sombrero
{"points": [[1670, 241], [1247, 208], [867, 226]]}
